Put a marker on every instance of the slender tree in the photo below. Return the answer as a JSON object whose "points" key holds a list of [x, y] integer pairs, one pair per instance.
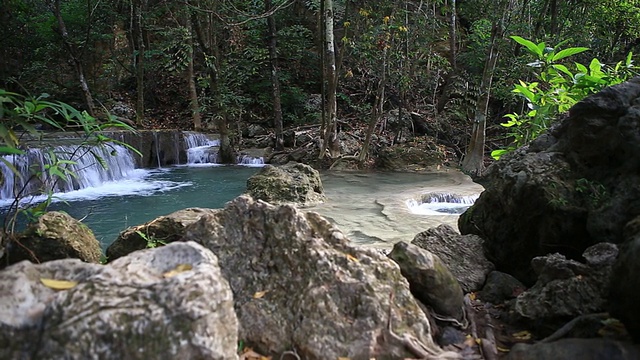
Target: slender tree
{"points": [[275, 81], [473, 162], [74, 55], [330, 136]]}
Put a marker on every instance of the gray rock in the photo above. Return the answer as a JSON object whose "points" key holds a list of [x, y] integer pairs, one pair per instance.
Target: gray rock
{"points": [[565, 288], [576, 349], [430, 280], [131, 309], [55, 235], [624, 295], [162, 230], [500, 287], [568, 191], [292, 183], [299, 285], [463, 254]]}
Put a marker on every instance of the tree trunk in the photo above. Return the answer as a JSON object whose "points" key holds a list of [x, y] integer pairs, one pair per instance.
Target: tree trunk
{"points": [[275, 81], [75, 59], [193, 93], [473, 162], [209, 46], [138, 41], [330, 136], [452, 35]]}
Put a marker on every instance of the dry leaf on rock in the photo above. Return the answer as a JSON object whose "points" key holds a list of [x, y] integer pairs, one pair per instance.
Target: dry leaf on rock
{"points": [[177, 270], [58, 284]]}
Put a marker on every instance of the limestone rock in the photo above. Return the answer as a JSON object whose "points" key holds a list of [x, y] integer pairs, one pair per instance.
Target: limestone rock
{"points": [[55, 235], [566, 288], [624, 295], [500, 287], [576, 349], [430, 280], [573, 187], [292, 183], [463, 254], [165, 229], [299, 285], [134, 308]]}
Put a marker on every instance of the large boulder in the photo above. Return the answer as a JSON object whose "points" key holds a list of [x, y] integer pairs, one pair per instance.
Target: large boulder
{"points": [[624, 294], [159, 231], [55, 235], [571, 188], [292, 183], [430, 280], [567, 288], [462, 254], [165, 303], [300, 286], [576, 349]]}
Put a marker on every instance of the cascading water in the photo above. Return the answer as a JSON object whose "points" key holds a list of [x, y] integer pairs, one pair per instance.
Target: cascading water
{"points": [[250, 161], [441, 203], [200, 149], [157, 145], [83, 161]]}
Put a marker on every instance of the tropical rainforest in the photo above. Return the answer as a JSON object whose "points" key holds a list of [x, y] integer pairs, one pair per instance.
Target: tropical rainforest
{"points": [[496, 72]]}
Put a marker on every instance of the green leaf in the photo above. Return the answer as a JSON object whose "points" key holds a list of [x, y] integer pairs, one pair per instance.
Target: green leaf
{"points": [[581, 68], [8, 150], [496, 154], [595, 67], [568, 52], [530, 45], [563, 69]]}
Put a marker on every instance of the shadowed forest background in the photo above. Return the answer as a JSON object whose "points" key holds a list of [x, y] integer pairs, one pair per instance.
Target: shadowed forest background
{"points": [[221, 65]]}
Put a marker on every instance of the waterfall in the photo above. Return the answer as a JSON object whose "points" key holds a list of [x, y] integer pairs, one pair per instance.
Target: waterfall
{"points": [[441, 204], [157, 144], [82, 161], [250, 161], [200, 149]]}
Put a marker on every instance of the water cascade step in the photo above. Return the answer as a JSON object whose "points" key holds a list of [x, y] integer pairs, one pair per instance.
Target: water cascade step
{"points": [[202, 150], [441, 204], [84, 161]]}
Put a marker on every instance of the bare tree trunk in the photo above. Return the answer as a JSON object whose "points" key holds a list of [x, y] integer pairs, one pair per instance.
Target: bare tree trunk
{"points": [[377, 109], [473, 162], [452, 35], [275, 81], [75, 58], [193, 93], [330, 137], [209, 46], [138, 41]]}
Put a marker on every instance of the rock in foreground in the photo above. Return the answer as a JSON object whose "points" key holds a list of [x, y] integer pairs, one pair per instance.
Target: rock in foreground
{"points": [[165, 303], [298, 285]]}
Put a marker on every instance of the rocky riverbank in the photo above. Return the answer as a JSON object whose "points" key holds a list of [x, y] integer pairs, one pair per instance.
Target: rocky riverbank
{"points": [[545, 267]]}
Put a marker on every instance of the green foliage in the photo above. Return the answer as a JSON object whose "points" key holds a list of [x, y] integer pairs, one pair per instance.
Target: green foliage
{"points": [[558, 88], [152, 241], [21, 115]]}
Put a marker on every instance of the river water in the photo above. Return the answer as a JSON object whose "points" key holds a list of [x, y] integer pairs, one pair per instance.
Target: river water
{"points": [[373, 209]]}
